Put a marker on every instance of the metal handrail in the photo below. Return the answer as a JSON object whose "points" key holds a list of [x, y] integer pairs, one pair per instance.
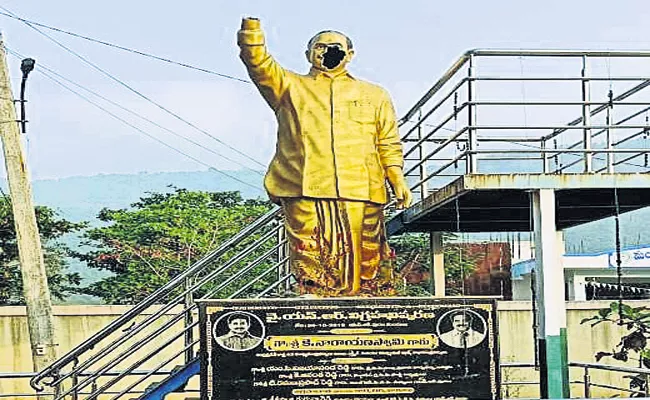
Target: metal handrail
{"points": [[274, 285], [437, 150], [559, 78], [460, 62], [436, 129], [450, 73], [257, 278], [558, 53], [118, 359], [177, 282], [437, 172], [444, 95], [136, 364], [259, 260], [177, 300], [41, 394], [622, 161], [431, 111], [140, 343], [155, 369], [600, 109], [559, 151], [615, 368], [587, 384], [25, 375]]}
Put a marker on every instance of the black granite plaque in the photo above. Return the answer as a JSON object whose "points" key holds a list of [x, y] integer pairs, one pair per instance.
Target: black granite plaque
{"points": [[353, 349]]}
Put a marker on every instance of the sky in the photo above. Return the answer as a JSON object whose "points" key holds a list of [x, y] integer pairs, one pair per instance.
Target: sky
{"points": [[405, 46]]}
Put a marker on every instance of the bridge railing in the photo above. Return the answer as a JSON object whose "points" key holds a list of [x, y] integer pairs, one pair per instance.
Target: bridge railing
{"points": [[530, 111]]}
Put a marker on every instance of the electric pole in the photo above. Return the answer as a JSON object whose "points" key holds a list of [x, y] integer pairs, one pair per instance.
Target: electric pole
{"points": [[30, 255]]}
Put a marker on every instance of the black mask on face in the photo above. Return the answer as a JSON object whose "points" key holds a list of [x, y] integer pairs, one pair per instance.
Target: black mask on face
{"points": [[333, 57]]}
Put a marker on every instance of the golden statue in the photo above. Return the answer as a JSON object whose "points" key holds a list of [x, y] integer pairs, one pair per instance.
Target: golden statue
{"points": [[337, 145]]}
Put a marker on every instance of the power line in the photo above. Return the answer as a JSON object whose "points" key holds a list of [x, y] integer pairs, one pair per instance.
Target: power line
{"points": [[117, 117], [41, 65], [138, 52], [141, 95]]}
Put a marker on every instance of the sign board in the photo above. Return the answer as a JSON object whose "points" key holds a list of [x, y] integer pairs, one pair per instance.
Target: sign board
{"points": [[356, 348], [639, 258]]}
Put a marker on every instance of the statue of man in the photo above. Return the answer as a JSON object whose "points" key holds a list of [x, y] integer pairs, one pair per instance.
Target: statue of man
{"points": [[337, 143]]}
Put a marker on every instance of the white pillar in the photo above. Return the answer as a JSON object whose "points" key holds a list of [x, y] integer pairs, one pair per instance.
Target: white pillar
{"points": [[559, 255], [554, 375], [438, 264]]}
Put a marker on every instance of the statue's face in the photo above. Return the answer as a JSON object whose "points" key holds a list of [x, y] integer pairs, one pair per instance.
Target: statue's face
{"points": [[329, 52]]}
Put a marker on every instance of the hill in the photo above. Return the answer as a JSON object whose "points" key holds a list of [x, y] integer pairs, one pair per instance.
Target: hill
{"points": [[80, 198]]}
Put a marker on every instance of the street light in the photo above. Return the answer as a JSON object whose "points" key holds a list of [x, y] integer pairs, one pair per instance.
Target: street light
{"points": [[27, 66]]}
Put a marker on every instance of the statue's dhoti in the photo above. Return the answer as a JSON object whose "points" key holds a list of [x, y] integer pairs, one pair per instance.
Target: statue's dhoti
{"points": [[338, 247]]}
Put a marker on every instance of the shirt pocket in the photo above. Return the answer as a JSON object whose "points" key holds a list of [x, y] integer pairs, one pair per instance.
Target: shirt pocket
{"points": [[362, 111], [376, 173]]}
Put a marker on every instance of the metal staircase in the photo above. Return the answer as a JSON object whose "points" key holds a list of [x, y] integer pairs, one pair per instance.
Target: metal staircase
{"points": [[478, 141], [161, 331]]}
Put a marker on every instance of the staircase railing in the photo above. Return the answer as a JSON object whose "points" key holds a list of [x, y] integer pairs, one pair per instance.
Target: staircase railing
{"points": [[162, 329]]}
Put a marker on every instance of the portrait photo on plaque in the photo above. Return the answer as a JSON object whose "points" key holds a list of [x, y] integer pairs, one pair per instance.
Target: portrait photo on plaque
{"points": [[238, 331], [461, 328]]}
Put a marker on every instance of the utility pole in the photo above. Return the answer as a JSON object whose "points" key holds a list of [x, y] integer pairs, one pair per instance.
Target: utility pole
{"points": [[32, 264]]}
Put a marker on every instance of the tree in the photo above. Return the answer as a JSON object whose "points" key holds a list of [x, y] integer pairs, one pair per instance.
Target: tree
{"points": [[51, 228], [414, 261], [160, 236], [633, 345]]}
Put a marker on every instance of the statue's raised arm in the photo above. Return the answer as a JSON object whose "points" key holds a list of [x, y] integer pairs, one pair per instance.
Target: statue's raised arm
{"points": [[265, 72]]}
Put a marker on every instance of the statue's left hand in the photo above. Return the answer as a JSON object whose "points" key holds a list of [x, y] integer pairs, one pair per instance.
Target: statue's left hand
{"points": [[400, 188]]}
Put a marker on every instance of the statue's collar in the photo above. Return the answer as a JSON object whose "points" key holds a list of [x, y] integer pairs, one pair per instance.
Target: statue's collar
{"points": [[317, 73]]}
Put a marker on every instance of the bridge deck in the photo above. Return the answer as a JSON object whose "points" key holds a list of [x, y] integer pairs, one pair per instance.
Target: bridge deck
{"points": [[501, 202]]}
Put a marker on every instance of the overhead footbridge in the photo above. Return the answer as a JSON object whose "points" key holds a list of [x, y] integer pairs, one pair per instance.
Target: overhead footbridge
{"points": [[503, 202], [500, 124]]}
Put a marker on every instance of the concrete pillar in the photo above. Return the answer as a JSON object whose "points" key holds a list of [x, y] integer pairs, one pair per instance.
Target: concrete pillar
{"points": [[560, 252], [437, 264], [554, 373]]}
